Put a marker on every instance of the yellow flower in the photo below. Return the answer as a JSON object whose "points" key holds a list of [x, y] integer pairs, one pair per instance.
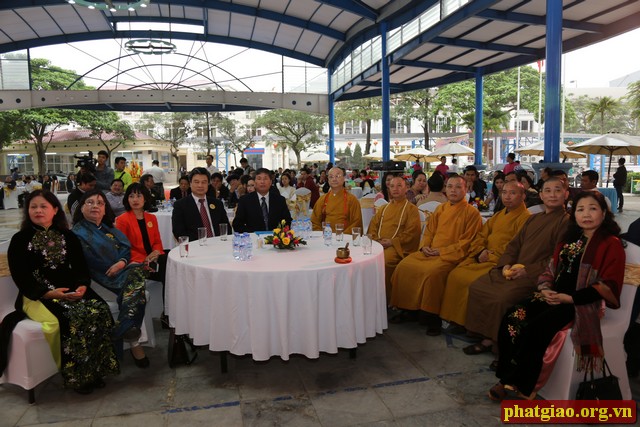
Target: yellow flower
{"points": [[282, 235], [276, 231], [292, 233], [286, 241]]}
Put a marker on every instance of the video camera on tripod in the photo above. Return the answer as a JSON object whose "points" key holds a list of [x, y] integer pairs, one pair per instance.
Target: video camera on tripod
{"points": [[86, 163]]}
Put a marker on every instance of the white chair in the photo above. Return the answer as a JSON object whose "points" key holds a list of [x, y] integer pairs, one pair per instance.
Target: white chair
{"points": [[29, 360], [536, 209], [429, 206], [564, 379], [147, 337], [303, 201], [368, 210]]}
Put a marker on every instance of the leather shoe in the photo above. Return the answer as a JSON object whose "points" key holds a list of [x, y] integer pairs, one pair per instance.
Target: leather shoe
{"points": [[140, 363], [84, 389]]}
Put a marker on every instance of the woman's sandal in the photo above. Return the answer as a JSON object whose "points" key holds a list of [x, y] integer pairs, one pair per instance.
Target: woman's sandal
{"points": [[477, 348], [497, 393]]}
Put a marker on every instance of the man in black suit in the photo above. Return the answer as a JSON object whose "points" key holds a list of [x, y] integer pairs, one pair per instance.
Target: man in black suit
{"points": [[263, 209], [182, 190], [191, 212]]}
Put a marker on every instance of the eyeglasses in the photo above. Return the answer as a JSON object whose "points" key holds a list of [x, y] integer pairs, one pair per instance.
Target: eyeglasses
{"points": [[91, 203]]}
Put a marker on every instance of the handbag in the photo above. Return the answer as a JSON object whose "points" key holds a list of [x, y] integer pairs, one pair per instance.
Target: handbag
{"points": [[605, 388], [181, 350]]}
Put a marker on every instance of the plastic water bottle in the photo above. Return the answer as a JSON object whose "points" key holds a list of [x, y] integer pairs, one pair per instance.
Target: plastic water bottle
{"points": [[307, 228], [248, 246], [295, 226], [242, 244], [327, 234], [236, 245]]}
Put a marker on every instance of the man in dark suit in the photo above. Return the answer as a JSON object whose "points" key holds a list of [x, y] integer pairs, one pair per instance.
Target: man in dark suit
{"points": [[263, 209], [182, 190], [198, 210]]}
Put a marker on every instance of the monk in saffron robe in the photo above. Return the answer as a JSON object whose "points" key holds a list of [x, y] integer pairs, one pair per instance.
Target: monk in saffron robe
{"points": [[485, 251], [338, 206], [494, 293], [419, 280], [396, 227]]}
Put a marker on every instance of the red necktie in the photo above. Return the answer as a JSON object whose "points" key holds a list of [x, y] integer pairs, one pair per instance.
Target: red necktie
{"points": [[205, 218]]}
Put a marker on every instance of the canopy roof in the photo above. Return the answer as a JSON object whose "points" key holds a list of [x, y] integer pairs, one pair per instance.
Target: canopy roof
{"points": [[429, 42]]}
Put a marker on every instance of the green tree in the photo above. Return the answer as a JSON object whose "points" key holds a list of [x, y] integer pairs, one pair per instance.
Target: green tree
{"points": [[106, 124], [172, 127], [10, 130], [296, 129], [418, 105], [208, 122], [347, 158], [358, 160], [633, 97], [357, 111], [602, 108], [238, 138], [41, 123]]}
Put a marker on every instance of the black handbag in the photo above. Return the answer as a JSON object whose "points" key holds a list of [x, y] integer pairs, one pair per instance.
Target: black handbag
{"points": [[605, 388]]}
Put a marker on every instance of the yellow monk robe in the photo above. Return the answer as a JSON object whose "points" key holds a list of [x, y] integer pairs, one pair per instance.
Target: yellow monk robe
{"points": [[494, 236], [418, 281], [400, 222], [341, 208]]}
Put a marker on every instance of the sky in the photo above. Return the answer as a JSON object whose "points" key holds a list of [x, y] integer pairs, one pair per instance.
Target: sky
{"points": [[590, 67]]}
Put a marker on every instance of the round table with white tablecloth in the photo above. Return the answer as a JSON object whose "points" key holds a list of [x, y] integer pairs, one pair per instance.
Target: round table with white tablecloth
{"points": [[165, 228], [281, 302]]}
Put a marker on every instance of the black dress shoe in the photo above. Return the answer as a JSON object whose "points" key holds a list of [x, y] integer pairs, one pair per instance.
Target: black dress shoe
{"points": [[140, 363], [84, 389]]}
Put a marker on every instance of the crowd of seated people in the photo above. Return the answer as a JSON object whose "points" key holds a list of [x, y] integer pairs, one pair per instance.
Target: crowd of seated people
{"points": [[454, 268]]}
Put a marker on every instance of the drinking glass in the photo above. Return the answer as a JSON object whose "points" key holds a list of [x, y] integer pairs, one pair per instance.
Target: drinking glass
{"points": [[202, 236], [356, 232], [183, 241], [367, 244], [223, 232], [339, 232]]}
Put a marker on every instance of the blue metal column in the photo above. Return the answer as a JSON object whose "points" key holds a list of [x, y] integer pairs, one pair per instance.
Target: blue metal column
{"points": [[386, 131], [552, 84], [332, 119], [479, 113]]}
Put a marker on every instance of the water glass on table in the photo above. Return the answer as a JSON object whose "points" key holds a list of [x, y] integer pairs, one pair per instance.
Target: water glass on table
{"points": [[367, 244], [339, 232], [356, 232], [202, 236], [183, 242], [223, 232]]}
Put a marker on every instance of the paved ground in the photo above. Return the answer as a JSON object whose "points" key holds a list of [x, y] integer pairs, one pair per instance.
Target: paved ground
{"points": [[400, 378]]}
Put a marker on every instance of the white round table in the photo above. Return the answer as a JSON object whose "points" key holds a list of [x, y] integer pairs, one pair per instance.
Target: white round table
{"points": [[280, 302]]}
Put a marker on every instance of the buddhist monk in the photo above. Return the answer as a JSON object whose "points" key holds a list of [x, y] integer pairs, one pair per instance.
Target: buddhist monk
{"points": [[484, 253], [419, 280], [396, 227], [338, 206], [516, 274]]}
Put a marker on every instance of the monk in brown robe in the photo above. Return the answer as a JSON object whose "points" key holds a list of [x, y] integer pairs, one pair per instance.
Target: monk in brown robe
{"points": [[419, 280], [396, 227], [491, 295], [338, 206]]}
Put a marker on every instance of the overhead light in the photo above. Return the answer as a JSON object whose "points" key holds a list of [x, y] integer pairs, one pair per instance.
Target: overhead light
{"points": [[150, 46], [112, 5]]}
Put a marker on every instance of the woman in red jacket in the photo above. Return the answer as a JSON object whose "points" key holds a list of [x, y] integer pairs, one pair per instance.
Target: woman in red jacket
{"points": [[141, 228]]}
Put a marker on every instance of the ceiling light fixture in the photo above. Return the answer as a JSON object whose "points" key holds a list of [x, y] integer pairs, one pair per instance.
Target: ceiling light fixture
{"points": [[150, 46], [112, 5]]}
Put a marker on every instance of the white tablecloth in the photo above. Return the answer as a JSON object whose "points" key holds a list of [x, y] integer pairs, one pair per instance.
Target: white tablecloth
{"points": [[280, 302], [164, 225]]}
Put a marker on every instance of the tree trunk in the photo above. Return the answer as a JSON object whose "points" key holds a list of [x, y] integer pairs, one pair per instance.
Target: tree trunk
{"points": [[297, 153], [425, 128], [367, 146], [40, 156]]}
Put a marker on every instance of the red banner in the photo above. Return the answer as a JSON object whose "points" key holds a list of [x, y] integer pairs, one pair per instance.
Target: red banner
{"points": [[568, 411]]}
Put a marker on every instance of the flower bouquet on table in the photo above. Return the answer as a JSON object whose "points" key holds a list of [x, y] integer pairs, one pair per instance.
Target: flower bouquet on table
{"points": [[284, 238], [480, 204]]}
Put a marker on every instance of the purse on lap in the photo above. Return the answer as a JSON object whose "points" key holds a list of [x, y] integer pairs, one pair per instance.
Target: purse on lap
{"points": [[605, 388]]}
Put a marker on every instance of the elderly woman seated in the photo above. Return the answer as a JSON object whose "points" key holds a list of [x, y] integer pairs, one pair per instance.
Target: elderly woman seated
{"points": [[115, 196], [108, 254], [48, 266]]}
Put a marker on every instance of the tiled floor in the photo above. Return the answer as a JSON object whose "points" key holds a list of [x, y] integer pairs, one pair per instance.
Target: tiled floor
{"points": [[400, 378]]}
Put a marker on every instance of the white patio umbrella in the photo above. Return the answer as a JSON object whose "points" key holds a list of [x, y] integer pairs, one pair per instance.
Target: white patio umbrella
{"points": [[537, 149], [376, 155], [453, 149], [610, 144], [418, 154], [318, 157]]}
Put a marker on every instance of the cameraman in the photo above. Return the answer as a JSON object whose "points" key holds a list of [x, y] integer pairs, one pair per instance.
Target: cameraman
{"points": [[103, 173]]}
